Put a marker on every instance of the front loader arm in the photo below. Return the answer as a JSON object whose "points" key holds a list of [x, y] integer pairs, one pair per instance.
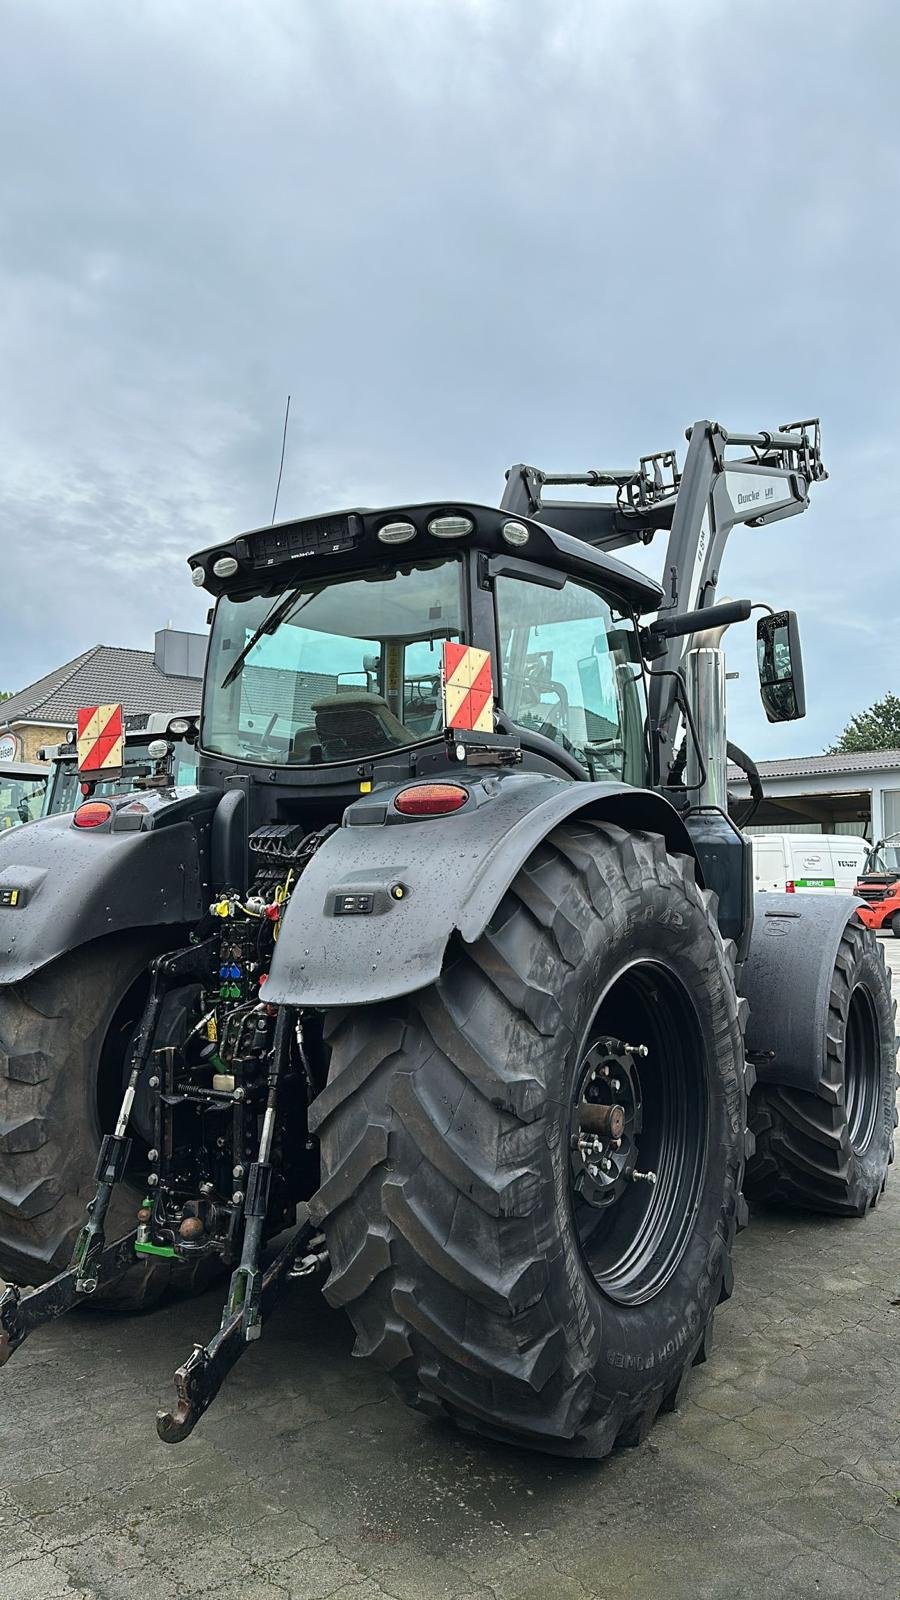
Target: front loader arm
{"points": [[768, 478]]}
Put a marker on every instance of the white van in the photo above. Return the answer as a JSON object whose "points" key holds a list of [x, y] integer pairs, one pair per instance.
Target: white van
{"points": [[805, 863]]}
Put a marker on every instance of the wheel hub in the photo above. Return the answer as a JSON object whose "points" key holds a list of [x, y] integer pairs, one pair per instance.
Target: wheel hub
{"points": [[606, 1122]]}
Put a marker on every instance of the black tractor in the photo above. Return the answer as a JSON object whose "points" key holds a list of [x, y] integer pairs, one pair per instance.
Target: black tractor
{"points": [[445, 980]]}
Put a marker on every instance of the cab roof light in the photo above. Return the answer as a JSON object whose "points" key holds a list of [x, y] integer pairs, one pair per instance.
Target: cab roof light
{"points": [[92, 814], [198, 577], [450, 527], [515, 533], [430, 799], [397, 532], [225, 566]]}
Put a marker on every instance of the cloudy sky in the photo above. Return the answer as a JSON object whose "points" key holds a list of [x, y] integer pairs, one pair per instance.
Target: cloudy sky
{"points": [[462, 233]]}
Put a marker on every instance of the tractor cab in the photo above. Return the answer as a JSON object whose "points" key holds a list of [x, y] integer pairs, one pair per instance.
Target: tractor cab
{"points": [[142, 757], [352, 649]]}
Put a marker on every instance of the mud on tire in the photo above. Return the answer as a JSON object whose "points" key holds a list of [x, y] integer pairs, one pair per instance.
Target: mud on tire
{"points": [[829, 1151], [445, 1142]]}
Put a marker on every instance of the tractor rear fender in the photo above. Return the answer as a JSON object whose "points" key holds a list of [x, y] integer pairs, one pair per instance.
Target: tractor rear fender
{"points": [[786, 980], [62, 887], [373, 912]]}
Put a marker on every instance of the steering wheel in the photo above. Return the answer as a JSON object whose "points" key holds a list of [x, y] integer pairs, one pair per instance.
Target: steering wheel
{"points": [[264, 743]]}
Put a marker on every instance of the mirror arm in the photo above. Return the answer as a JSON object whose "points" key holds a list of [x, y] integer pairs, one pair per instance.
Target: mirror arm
{"points": [[686, 622]]}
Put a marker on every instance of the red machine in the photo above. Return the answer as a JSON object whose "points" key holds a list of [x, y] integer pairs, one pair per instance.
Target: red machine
{"points": [[879, 885]]}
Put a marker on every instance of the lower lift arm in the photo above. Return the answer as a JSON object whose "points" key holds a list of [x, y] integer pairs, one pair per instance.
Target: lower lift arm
{"points": [[95, 1264]]}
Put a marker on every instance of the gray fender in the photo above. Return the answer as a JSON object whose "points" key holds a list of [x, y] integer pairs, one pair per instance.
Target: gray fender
{"points": [[76, 884], [786, 980], [447, 873]]}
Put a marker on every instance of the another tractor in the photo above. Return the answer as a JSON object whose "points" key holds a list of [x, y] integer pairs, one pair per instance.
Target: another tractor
{"points": [[160, 753], [453, 946]]}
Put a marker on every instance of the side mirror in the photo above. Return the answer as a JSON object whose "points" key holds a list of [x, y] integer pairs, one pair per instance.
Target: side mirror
{"points": [[779, 661]]}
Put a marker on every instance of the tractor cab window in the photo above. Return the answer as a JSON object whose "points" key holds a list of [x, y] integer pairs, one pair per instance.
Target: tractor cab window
{"points": [[570, 671], [21, 799], [331, 671]]}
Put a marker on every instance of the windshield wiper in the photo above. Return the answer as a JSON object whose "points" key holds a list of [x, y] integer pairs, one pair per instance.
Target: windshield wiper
{"points": [[270, 622]]}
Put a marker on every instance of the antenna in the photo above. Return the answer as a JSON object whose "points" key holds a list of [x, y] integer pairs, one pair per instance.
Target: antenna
{"points": [[287, 412]]}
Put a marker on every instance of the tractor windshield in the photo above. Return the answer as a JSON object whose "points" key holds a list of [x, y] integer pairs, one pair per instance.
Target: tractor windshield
{"points": [[335, 671]]}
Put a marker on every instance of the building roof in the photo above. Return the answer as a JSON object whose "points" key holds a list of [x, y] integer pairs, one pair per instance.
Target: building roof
{"points": [[104, 675], [825, 766]]}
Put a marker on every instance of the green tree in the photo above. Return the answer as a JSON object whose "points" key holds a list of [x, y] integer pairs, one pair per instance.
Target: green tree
{"points": [[5, 694], [875, 729]]}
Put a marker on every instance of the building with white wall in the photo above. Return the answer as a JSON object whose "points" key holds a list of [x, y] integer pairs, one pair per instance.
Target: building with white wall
{"points": [[833, 794]]}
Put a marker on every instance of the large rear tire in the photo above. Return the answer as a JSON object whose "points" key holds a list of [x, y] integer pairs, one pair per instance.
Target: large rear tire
{"points": [[459, 1243], [830, 1150], [63, 1038]]}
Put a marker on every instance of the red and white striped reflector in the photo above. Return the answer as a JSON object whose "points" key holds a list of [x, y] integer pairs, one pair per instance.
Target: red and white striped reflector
{"points": [[101, 739], [468, 688]]}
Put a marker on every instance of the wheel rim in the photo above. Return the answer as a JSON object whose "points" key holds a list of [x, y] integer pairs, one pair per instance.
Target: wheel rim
{"points": [[641, 1078], [862, 1075]]}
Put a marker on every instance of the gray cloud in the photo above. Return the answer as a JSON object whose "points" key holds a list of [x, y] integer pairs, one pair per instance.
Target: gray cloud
{"points": [[461, 234]]}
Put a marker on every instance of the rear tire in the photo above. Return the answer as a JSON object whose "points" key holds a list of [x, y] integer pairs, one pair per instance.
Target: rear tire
{"points": [[895, 924], [63, 1036], [830, 1150], [457, 1243]]}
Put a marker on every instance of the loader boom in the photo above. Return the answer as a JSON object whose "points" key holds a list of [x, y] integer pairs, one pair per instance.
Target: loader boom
{"points": [[768, 479]]}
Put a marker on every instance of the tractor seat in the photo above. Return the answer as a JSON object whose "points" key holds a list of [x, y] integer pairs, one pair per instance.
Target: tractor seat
{"points": [[358, 723]]}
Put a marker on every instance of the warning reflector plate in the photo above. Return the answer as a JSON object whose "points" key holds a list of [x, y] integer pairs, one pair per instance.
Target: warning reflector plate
{"points": [[101, 739], [468, 688]]}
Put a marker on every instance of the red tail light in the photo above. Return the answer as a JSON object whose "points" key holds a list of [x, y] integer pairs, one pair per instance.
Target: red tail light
{"points": [[430, 799], [92, 814], [789, 888]]}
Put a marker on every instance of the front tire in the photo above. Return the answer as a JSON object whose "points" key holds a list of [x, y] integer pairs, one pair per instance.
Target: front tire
{"points": [[829, 1150], [457, 1236], [895, 924]]}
